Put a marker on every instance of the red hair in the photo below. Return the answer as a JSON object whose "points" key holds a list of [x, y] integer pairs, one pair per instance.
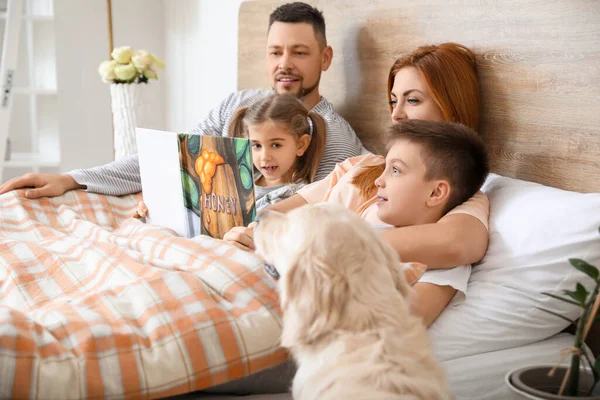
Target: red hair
{"points": [[449, 71]]}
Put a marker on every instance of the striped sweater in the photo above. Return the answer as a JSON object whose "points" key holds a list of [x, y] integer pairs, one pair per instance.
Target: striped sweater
{"points": [[123, 176]]}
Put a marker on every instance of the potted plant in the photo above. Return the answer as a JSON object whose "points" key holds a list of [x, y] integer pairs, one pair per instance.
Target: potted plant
{"points": [[580, 380]]}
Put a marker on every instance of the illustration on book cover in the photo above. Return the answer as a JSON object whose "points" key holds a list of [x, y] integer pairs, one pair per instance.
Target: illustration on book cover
{"points": [[218, 187]]}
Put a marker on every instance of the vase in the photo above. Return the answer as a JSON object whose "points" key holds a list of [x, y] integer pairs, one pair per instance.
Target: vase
{"points": [[128, 101], [533, 382]]}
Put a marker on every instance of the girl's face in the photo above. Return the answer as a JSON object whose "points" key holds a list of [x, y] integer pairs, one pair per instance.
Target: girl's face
{"points": [[411, 98], [275, 150]]}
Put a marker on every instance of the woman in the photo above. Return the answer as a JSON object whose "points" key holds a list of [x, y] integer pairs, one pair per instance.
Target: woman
{"points": [[437, 83]]}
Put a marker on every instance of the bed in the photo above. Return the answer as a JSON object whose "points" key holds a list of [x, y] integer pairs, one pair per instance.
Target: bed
{"points": [[94, 304]]}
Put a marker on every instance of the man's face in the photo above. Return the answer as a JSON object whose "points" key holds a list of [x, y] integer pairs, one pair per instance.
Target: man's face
{"points": [[295, 59]]}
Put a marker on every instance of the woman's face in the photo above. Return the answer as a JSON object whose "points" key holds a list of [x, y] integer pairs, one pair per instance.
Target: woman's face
{"points": [[411, 98]]}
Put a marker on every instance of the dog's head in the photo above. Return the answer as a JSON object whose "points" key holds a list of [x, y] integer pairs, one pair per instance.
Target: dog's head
{"points": [[336, 272]]}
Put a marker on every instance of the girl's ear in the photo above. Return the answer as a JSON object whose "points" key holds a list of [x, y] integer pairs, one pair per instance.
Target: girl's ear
{"points": [[302, 144]]}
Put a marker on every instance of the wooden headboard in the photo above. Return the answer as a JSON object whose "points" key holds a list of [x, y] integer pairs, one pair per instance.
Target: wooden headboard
{"points": [[538, 63]]}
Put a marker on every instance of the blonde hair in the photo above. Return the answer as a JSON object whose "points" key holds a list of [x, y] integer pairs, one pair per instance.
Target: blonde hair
{"points": [[450, 73], [286, 109]]}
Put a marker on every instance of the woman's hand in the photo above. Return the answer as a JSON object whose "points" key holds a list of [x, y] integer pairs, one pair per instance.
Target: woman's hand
{"points": [[241, 237]]}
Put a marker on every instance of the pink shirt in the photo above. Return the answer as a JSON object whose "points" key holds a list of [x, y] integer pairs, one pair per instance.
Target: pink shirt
{"points": [[337, 187]]}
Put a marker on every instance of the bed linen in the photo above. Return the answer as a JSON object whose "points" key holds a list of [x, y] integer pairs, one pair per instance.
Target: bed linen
{"points": [[475, 377], [95, 304]]}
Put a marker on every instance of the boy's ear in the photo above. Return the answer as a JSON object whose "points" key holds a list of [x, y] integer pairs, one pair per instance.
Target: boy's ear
{"points": [[302, 145], [439, 193]]}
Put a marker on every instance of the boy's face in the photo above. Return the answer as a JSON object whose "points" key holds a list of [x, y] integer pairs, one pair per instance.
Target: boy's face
{"points": [[295, 59], [403, 190]]}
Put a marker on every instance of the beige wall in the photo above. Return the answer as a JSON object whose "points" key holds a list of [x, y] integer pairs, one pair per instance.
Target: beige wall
{"points": [[201, 53]]}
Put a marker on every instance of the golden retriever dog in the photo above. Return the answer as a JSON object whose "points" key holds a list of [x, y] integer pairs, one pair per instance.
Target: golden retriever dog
{"points": [[346, 318]]}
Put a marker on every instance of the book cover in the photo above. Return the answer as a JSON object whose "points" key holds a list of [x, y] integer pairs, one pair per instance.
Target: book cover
{"points": [[196, 184]]}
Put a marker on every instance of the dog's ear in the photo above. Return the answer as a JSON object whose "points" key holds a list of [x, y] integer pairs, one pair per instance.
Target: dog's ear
{"points": [[314, 300], [398, 271]]}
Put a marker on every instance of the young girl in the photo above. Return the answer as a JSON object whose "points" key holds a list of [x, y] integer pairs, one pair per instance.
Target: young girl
{"points": [[287, 145], [287, 142]]}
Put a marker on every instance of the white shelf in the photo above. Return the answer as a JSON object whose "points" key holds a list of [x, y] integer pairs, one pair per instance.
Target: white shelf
{"points": [[26, 160], [29, 17], [34, 132], [41, 92]]}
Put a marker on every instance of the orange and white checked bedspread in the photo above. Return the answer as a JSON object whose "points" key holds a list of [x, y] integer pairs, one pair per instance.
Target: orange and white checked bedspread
{"points": [[95, 304]]}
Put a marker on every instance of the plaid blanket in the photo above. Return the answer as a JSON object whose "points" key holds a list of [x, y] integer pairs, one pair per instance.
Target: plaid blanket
{"points": [[95, 304]]}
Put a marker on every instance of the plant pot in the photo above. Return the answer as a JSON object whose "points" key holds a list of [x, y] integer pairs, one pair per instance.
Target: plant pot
{"points": [[533, 382], [129, 108]]}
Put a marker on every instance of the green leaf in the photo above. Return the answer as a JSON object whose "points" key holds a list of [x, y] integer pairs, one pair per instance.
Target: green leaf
{"points": [[586, 268], [193, 144], [191, 197], [556, 314], [240, 147], [246, 176], [579, 295], [562, 299], [249, 162]]}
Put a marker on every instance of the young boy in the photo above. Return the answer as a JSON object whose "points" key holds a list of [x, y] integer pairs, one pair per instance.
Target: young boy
{"points": [[431, 169]]}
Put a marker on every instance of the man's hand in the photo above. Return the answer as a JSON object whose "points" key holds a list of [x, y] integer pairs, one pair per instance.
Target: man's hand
{"points": [[44, 185], [241, 237]]}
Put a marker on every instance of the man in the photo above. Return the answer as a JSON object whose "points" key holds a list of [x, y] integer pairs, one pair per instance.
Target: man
{"points": [[297, 54]]}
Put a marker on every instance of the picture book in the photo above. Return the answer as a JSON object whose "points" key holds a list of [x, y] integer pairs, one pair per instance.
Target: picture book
{"points": [[196, 184]]}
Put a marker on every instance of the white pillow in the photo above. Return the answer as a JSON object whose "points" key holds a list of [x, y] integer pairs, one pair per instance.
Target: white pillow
{"points": [[534, 230]]}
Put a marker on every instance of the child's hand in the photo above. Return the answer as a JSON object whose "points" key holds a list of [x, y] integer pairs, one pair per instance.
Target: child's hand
{"points": [[142, 210], [241, 237]]}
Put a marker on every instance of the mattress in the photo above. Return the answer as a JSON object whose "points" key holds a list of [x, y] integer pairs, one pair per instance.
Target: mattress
{"points": [[479, 376]]}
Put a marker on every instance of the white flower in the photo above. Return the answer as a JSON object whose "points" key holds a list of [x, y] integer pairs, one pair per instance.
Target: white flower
{"points": [[122, 54], [150, 74], [142, 60], [157, 61], [107, 70], [125, 72]]}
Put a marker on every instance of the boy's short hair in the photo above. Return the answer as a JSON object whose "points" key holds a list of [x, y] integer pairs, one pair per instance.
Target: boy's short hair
{"points": [[450, 151], [301, 12]]}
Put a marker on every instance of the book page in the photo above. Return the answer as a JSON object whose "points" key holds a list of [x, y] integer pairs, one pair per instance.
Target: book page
{"points": [[161, 179]]}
